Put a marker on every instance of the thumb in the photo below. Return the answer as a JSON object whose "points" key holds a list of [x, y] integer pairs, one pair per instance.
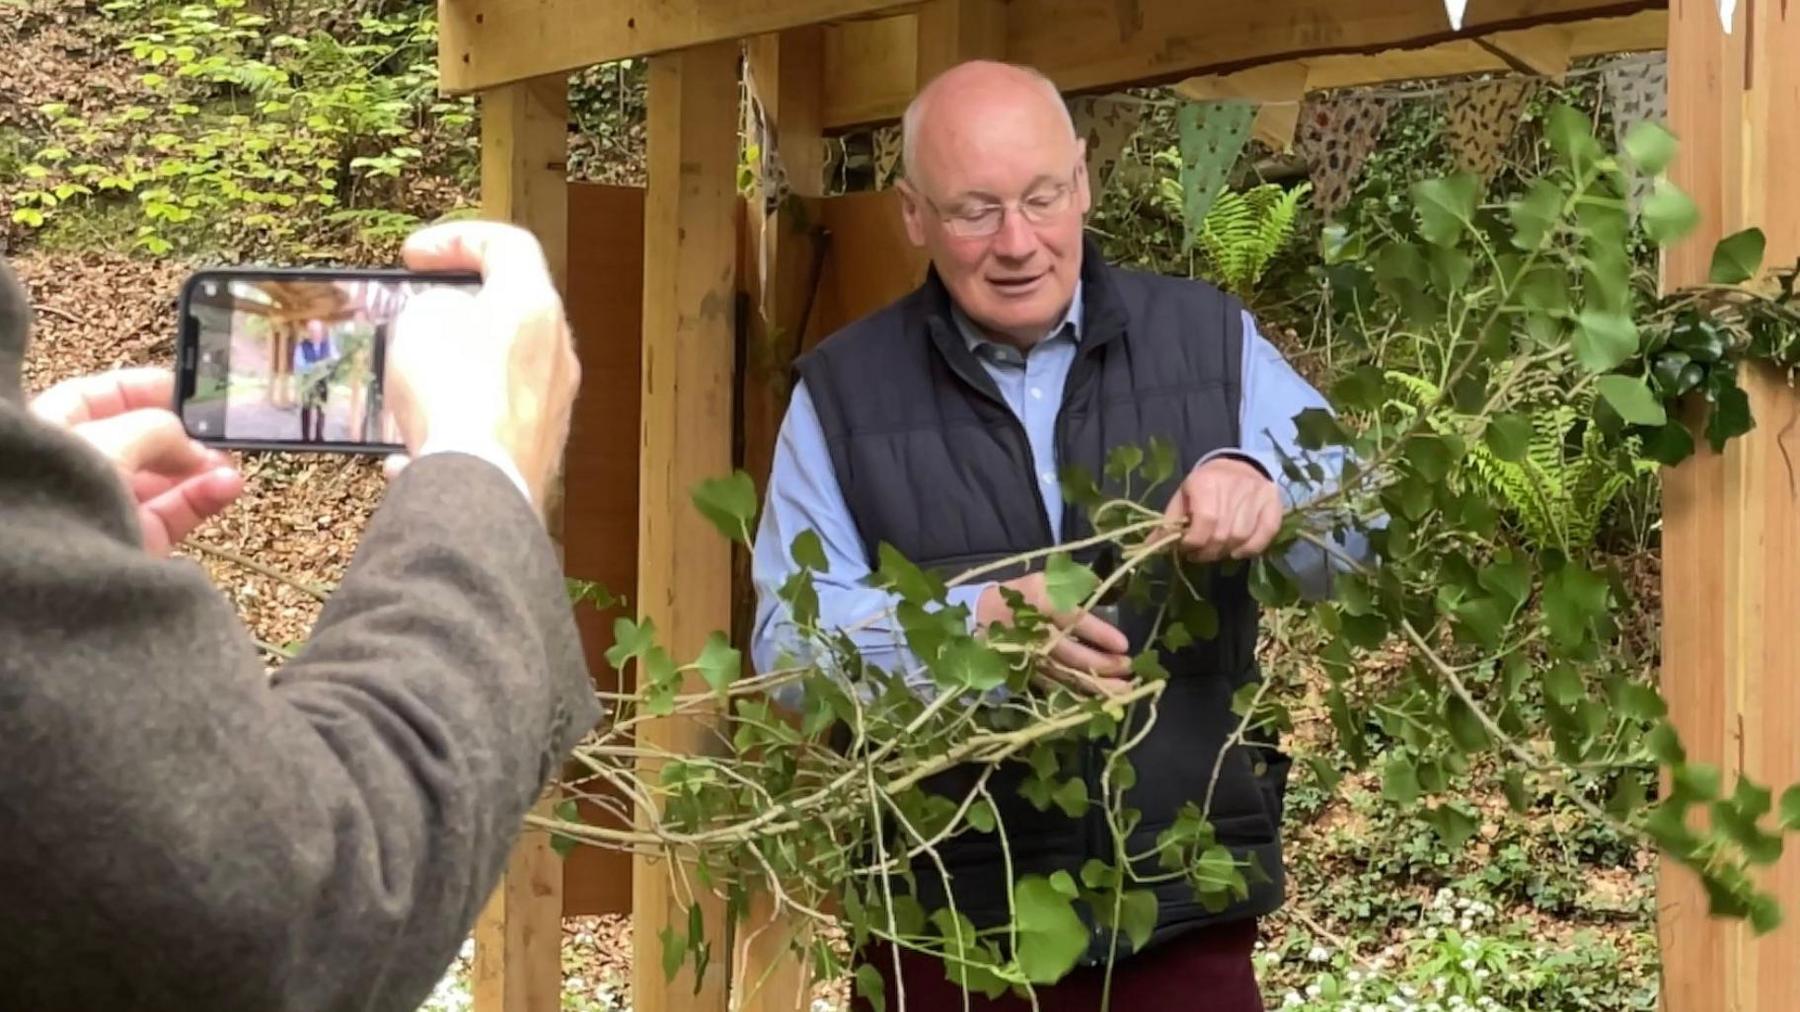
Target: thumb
{"points": [[148, 439]]}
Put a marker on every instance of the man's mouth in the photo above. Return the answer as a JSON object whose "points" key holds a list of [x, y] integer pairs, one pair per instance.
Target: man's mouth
{"points": [[1015, 285]]}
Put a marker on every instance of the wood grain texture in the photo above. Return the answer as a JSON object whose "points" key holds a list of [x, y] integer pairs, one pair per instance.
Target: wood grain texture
{"points": [[690, 259], [1731, 540], [518, 938]]}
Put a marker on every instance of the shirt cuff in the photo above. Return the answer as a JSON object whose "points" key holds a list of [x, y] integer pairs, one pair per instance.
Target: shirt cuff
{"points": [[483, 449], [1233, 453], [969, 596]]}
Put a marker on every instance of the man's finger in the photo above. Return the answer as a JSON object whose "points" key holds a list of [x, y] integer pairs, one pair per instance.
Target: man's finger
{"points": [[1084, 658], [148, 439], [1203, 516], [91, 398], [1246, 512], [171, 516], [1099, 633], [1268, 524], [506, 256]]}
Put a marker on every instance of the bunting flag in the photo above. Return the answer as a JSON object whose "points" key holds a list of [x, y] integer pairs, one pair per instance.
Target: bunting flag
{"points": [[1455, 9], [1107, 124], [888, 144], [1213, 134], [1728, 13], [1638, 92], [1482, 120], [1336, 137]]}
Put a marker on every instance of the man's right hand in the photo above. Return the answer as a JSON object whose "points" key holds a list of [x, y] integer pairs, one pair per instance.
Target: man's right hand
{"points": [[1091, 645], [496, 367]]}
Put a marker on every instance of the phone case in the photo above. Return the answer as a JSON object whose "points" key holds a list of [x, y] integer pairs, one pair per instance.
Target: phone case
{"points": [[187, 344]]}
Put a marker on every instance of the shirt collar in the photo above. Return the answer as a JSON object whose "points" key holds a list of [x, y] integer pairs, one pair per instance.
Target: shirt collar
{"points": [[972, 336]]}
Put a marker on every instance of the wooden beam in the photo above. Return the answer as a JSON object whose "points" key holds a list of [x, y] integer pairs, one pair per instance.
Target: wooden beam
{"points": [[483, 43], [1731, 527], [524, 180], [690, 255], [951, 31], [1542, 51], [1104, 45]]}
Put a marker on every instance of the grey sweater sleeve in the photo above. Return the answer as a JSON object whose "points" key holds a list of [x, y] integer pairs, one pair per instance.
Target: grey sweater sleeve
{"points": [[178, 831]]}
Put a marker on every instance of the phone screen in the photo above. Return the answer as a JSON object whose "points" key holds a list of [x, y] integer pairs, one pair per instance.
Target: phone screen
{"points": [[293, 359]]}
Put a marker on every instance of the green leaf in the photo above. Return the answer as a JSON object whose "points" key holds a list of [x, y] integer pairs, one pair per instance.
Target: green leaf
{"points": [[1627, 796], [1432, 456], [1765, 914], [1360, 389], [1738, 257], [1508, 436], [730, 503], [1122, 461], [972, 664], [1669, 445], [1161, 462], [1572, 136], [1630, 396], [1650, 146], [1072, 797], [899, 575], [1068, 583], [1730, 415], [870, 987], [1317, 428], [1534, 214], [1446, 207], [1516, 796], [1787, 814], [1562, 684], [674, 951], [980, 816], [1466, 729], [1573, 598], [1483, 619], [1664, 745], [1051, 935], [566, 810], [1668, 214], [1137, 916], [1452, 823], [630, 639], [1698, 781], [1604, 340], [808, 552], [1400, 782], [720, 663]]}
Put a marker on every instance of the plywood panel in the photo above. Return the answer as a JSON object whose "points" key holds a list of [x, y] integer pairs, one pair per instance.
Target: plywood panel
{"points": [[871, 262], [604, 302]]}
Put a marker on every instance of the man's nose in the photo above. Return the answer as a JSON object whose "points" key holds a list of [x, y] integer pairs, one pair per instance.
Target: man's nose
{"points": [[1016, 239]]}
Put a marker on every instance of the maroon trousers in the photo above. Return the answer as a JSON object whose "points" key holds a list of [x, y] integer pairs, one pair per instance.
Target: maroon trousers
{"points": [[1207, 970]]}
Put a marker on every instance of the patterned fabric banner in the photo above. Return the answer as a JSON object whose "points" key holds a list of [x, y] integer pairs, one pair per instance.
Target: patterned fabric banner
{"points": [[888, 144], [1482, 120], [1336, 137], [1107, 124], [1639, 92], [1213, 134]]}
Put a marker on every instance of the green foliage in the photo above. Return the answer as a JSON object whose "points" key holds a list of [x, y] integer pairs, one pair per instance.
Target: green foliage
{"points": [[248, 128], [1244, 230]]}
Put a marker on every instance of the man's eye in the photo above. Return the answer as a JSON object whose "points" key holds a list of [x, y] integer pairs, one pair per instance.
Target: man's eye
{"points": [[978, 213]]}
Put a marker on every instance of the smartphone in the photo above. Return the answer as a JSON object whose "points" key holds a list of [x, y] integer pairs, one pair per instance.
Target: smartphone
{"points": [[293, 358]]}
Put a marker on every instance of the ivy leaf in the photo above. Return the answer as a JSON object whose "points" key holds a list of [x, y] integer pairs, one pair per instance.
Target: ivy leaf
{"points": [[720, 663], [969, 663], [1360, 389], [1664, 745], [1452, 823], [1630, 396], [1072, 797], [1160, 464], [1738, 257], [980, 816], [1534, 214], [674, 951], [1466, 729], [870, 987], [897, 574], [1317, 428], [808, 552], [1446, 207], [1650, 146], [1669, 445], [1730, 416], [730, 503], [1573, 598], [630, 639], [1400, 782], [1511, 578], [1572, 136], [1051, 936], [1137, 916], [1483, 620], [1627, 796], [1508, 436], [1068, 583], [566, 810], [1122, 461], [1562, 683], [1668, 214], [1604, 340], [1432, 456], [1788, 813], [1516, 798]]}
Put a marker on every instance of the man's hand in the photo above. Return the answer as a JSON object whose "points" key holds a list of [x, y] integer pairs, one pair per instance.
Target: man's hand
{"points": [[1230, 508], [1092, 645], [125, 415], [495, 366]]}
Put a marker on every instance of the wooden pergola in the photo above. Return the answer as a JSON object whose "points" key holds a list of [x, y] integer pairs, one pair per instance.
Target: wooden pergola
{"points": [[673, 287]]}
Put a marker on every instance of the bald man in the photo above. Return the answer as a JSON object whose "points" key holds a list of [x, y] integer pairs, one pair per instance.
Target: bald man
{"points": [[940, 424]]}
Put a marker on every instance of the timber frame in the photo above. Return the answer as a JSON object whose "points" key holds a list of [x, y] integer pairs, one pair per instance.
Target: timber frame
{"points": [[1731, 665]]}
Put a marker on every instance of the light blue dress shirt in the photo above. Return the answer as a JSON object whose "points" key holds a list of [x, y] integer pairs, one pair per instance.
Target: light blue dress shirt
{"points": [[804, 493]]}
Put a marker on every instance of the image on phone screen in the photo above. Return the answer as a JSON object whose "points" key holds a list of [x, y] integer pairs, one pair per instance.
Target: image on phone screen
{"points": [[293, 360]]}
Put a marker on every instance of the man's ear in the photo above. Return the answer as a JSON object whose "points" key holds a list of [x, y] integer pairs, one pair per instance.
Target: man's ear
{"points": [[15, 333], [1084, 192], [911, 212]]}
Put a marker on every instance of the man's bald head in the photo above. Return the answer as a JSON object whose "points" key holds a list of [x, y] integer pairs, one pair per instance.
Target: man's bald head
{"points": [[963, 96]]}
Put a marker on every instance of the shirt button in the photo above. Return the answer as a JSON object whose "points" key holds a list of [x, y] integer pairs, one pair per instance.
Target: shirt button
{"points": [[1048, 478], [1037, 393]]}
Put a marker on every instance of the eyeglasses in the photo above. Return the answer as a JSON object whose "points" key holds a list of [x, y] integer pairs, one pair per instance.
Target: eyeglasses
{"points": [[982, 220]]}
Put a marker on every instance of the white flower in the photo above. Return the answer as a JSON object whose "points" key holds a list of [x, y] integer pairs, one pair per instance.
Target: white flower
{"points": [[1468, 964], [1313, 990], [1352, 976], [1318, 954], [1464, 924], [1292, 999], [468, 949]]}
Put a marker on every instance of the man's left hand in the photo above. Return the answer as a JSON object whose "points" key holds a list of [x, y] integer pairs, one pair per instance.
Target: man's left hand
{"points": [[124, 414], [1230, 509]]}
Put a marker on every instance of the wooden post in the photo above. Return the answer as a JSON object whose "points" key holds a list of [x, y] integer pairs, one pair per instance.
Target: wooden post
{"points": [[1731, 521], [690, 254], [524, 180], [951, 31]]}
